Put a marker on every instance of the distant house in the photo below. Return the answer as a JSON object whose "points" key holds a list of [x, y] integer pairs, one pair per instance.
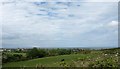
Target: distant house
{"points": [[9, 50], [1, 50]]}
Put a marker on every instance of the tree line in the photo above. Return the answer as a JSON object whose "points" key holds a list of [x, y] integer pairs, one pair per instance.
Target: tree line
{"points": [[39, 53]]}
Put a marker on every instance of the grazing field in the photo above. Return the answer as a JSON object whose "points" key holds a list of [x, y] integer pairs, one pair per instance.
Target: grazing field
{"points": [[92, 59], [50, 61]]}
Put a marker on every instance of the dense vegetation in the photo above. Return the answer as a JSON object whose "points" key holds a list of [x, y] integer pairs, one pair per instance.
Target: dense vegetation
{"points": [[62, 58], [38, 53]]}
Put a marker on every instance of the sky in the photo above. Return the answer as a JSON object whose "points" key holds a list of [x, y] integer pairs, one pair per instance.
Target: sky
{"points": [[65, 23]]}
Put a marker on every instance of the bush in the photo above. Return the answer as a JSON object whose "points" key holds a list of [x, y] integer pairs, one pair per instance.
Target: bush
{"points": [[36, 53], [12, 57]]}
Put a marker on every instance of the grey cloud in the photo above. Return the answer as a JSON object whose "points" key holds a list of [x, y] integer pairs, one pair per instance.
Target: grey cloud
{"points": [[10, 36]]}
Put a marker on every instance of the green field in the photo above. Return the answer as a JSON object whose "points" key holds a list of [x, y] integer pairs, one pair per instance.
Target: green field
{"points": [[93, 58], [75, 60], [48, 61]]}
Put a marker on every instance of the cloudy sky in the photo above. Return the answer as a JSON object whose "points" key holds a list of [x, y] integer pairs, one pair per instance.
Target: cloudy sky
{"points": [[59, 24]]}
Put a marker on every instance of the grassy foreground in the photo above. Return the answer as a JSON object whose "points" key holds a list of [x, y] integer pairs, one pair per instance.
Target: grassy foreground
{"points": [[93, 59]]}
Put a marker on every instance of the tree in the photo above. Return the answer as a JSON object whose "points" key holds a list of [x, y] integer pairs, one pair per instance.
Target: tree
{"points": [[36, 53], [42, 53], [33, 53]]}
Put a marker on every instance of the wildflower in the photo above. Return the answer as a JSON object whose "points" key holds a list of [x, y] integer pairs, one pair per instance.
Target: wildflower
{"points": [[116, 55], [105, 54]]}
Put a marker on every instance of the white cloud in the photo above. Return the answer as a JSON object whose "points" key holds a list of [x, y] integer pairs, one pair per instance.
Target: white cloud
{"points": [[113, 24], [32, 23], [102, 0], [63, 0]]}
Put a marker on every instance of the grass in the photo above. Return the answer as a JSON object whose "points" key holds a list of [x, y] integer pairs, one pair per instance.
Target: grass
{"points": [[53, 61], [106, 58]]}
